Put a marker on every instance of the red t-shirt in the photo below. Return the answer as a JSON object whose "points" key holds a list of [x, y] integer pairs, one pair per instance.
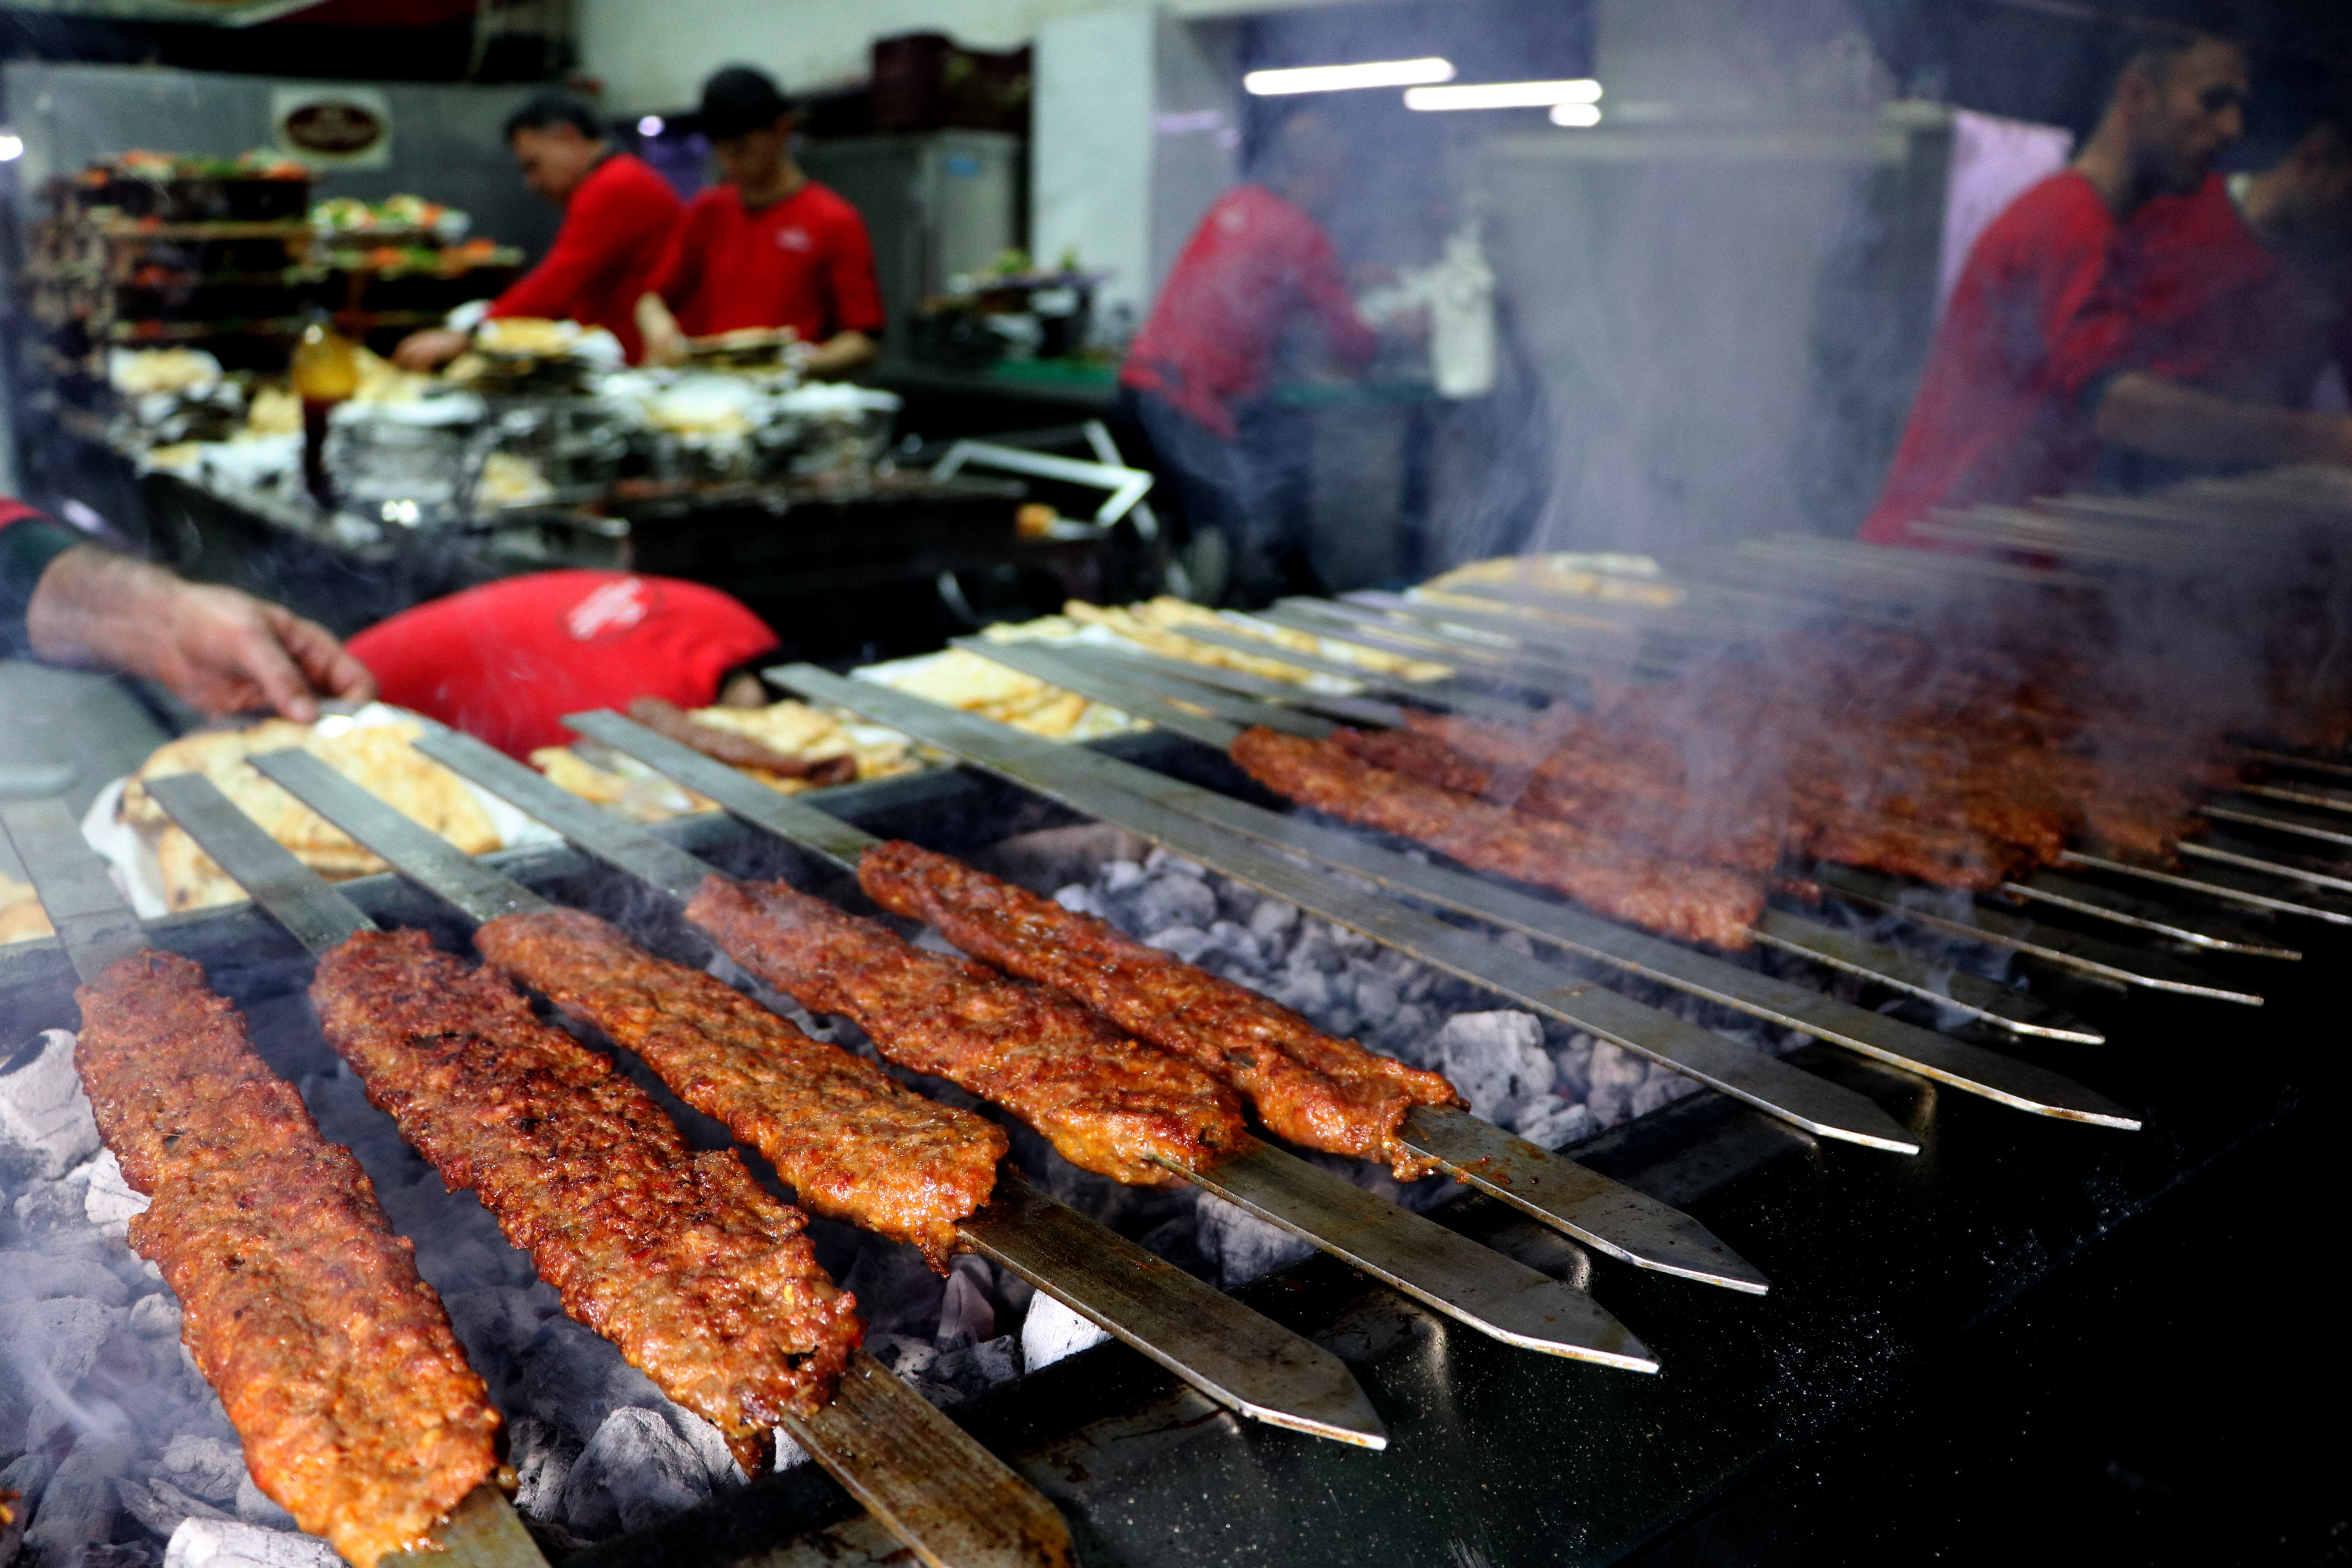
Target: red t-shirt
{"points": [[2214, 307], [2031, 325], [1255, 261], [614, 227], [803, 262], [507, 661]]}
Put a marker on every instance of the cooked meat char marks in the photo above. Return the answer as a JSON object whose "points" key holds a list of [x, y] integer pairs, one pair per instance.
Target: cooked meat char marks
{"points": [[706, 1283], [738, 750], [854, 1143], [1108, 1103], [1304, 1085], [1695, 902], [335, 1362]]}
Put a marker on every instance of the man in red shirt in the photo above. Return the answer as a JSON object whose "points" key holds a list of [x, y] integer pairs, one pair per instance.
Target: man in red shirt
{"points": [[2244, 287], [1258, 262], [617, 217], [767, 248], [507, 661], [2031, 366]]}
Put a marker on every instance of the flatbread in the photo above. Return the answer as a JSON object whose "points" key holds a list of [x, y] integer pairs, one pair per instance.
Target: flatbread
{"points": [[378, 758]]}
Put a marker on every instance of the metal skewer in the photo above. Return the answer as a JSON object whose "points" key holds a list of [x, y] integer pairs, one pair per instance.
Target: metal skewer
{"points": [[1541, 670], [98, 930], [950, 1501], [1472, 1284], [1956, 1062], [1444, 694], [2106, 960], [1996, 1005], [1363, 711], [2222, 883], [1061, 773], [1059, 667], [2147, 914], [1242, 1361], [1561, 1192]]}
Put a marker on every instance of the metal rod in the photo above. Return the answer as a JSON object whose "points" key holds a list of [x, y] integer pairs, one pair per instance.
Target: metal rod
{"points": [[1538, 670], [1580, 1334], [2297, 869], [1428, 693], [2257, 814], [1764, 1082], [1546, 1186], [951, 1501], [2145, 914], [94, 925], [2226, 885], [1117, 687], [1362, 710], [481, 1531], [2014, 1011], [2319, 796], [2301, 764], [2106, 960], [1234, 1355]]}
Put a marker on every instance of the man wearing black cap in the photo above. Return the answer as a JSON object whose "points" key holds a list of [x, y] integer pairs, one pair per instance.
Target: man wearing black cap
{"points": [[769, 247]]}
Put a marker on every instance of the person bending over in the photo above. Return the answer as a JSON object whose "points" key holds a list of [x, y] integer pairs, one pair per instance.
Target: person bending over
{"points": [[617, 217]]}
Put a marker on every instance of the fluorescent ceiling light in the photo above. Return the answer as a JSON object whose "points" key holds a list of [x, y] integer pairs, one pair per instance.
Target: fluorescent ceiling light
{"points": [[12, 147], [651, 125], [1504, 94], [1576, 115], [1342, 78]]}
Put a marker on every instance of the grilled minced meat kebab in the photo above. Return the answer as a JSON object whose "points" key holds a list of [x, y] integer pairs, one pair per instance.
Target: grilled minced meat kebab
{"points": [[854, 1143], [303, 1310], [706, 1283], [1304, 1085], [1108, 1103], [1680, 898]]}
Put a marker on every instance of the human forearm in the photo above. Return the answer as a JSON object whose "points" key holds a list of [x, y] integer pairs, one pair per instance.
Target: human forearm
{"points": [[29, 542], [2147, 414], [219, 649], [844, 354]]}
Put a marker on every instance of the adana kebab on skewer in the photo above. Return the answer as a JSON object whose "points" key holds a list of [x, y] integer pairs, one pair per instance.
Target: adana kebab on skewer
{"points": [[1107, 1102], [1698, 904], [335, 1362], [1304, 1085], [706, 1283], [853, 1142]]}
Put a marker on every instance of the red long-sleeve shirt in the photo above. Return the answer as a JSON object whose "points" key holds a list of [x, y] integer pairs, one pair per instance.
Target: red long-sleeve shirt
{"points": [[1255, 261], [803, 262], [2214, 307], [615, 228], [2032, 324]]}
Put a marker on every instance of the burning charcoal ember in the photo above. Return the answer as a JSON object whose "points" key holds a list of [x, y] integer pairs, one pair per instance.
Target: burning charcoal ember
{"points": [[1498, 1060], [1241, 1247], [45, 1127], [108, 1201], [1555, 1124], [79, 1507], [255, 1507], [640, 1468], [967, 1316], [1052, 1331], [212, 1469], [161, 1506], [225, 1543], [156, 1317]]}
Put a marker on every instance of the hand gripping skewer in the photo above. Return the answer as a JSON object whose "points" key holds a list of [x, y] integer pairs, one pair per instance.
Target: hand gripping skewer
{"points": [[951, 1501], [1561, 1193], [1472, 1284], [98, 930], [1242, 1361], [1070, 775]]}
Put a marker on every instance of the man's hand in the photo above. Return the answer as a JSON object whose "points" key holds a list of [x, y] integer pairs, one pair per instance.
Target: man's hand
{"points": [[428, 351], [665, 340], [215, 648]]}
